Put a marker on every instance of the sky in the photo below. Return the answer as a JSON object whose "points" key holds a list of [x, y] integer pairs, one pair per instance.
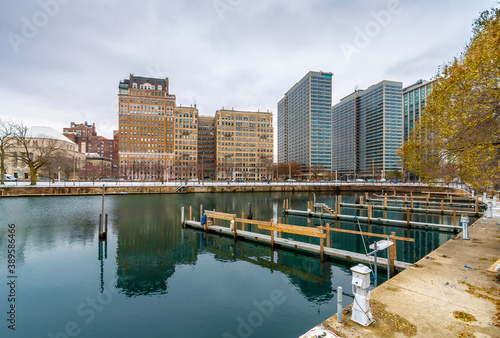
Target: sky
{"points": [[61, 60]]}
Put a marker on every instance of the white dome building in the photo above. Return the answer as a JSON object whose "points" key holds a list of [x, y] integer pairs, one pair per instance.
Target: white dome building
{"points": [[64, 157]]}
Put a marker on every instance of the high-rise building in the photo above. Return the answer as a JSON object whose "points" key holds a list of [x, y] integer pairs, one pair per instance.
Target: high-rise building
{"points": [[414, 98], [344, 135], [146, 123], [305, 122], [244, 144], [372, 119], [206, 146], [185, 143]]}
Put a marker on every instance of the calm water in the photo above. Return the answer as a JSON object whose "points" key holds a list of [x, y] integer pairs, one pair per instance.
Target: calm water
{"points": [[152, 278]]}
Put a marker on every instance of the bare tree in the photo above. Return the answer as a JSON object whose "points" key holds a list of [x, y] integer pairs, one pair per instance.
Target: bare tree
{"points": [[6, 142], [34, 150]]}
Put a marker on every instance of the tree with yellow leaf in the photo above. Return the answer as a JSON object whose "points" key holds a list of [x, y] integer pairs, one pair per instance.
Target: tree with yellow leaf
{"points": [[458, 135]]}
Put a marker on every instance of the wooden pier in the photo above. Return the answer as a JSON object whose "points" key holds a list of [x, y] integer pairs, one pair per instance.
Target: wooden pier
{"points": [[211, 217]]}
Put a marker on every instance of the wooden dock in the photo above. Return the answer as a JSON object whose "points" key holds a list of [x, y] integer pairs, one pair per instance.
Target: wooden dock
{"points": [[374, 220], [277, 241]]}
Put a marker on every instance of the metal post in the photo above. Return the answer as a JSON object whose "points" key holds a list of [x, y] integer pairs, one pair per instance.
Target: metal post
{"points": [[182, 215], [375, 261], [490, 209], [465, 224], [339, 304], [102, 213]]}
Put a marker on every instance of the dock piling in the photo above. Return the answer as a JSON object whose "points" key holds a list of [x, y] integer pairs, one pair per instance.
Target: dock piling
{"points": [[392, 253], [190, 212], [182, 216], [340, 307]]}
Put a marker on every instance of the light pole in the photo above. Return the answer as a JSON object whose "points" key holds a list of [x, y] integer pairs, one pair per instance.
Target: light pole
{"points": [[59, 174]]}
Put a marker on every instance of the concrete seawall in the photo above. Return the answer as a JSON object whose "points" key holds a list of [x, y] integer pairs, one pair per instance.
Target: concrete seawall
{"points": [[24, 191]]}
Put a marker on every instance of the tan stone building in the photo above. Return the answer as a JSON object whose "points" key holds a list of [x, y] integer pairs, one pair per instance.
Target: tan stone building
{"points": [[206, 147], [185, 143], [244, 144], [146, 123]]}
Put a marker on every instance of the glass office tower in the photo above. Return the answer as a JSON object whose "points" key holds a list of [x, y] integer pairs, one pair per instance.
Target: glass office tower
{"points": [[414, 98], [305, 121], [367, 130]]}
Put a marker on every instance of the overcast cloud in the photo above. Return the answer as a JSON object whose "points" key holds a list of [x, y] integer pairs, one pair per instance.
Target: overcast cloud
{"points": [[62, 60]]}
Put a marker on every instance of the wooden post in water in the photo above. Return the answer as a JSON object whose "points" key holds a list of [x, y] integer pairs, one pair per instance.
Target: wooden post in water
{"points": [[272, 236], [213, 219], [366, 196], [369, 213], [408, 217], [428, 196], [321, 249], [340, 202], [243, 223], [190, 212], [406, 198], [412, 204], [392, 253], [106, 226], [454, 217], [201, 211], [182, 216], [385, 201], [361, 202], [442, 207], [284, 207], [235, 227], [279, 232], [314, 194], [327, 235]]}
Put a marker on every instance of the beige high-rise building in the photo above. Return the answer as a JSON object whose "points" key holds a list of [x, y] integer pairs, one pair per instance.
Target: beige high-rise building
{"points": [[185, 143], [206, 147], [145, 140], [244, 144]]}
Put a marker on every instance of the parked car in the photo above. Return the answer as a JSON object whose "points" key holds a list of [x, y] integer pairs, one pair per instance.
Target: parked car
{"points": [[291, 180], [9, 178]]}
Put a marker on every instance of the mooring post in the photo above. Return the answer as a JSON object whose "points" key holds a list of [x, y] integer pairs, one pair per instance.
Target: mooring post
{"points": [[272, 236], [340, 204], [314, 195], [182, 216], [369, 213], [406, 198], [106, 226], [279, 232], [366, 196], [412, 204], [100, 225], [361, 201], [213, 219], [321, 248], [428, 196], [243, 223], [190, 212], [327, 235], [442, 207], [284, 207], [201, 211], [454, 217], [407, 217], [235, 227], [392, 253], [339, 304]]}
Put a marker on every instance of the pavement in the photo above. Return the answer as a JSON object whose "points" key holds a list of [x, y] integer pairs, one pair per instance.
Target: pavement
{"points": [[448, 293]]}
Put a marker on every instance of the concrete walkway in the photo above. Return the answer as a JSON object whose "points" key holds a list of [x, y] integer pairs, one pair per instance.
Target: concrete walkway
{"points": [[448, 293]]}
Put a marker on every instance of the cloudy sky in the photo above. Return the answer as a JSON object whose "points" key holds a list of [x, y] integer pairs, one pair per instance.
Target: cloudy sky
{"points": [[62, 60]]}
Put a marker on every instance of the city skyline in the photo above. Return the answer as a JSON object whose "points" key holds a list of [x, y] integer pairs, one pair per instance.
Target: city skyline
{"points": [[61, 59]]}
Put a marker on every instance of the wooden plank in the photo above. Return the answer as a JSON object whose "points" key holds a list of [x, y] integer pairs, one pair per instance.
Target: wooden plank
{"points": [[392, 253], [494, 268], [220, 215], [251, 221], [312, 232], [370, 234]]}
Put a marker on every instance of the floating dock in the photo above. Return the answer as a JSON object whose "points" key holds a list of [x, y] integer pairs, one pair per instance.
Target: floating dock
{"points": [[277, 241]]}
